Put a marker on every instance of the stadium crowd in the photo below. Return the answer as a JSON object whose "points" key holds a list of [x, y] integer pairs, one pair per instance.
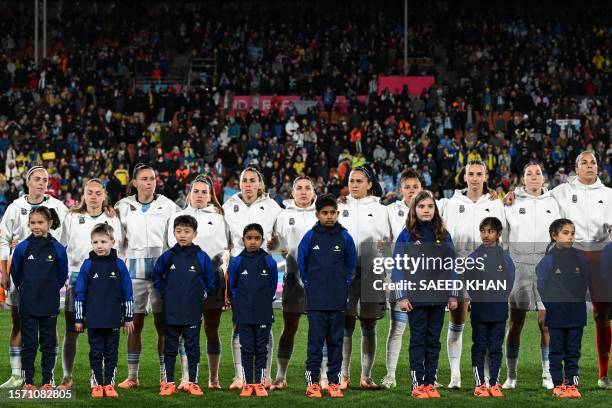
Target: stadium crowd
{"points": [[509, 89]]}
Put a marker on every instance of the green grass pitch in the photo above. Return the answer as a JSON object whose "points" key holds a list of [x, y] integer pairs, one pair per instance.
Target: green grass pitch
{"points": [[529, 393]]}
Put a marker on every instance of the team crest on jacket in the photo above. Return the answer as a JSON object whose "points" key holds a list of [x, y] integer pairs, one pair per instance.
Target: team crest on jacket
{"points": [[49, 258], [192, 269], [81, 220], [236, 208], [132, 208], [264, 272], [24, 211], [461, 209], [522, 211], [345, 213], [400, 213], [291, 221], [574, 198], [113, 275]]}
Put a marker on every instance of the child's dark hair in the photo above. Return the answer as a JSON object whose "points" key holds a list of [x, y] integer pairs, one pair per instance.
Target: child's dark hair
{"points": [[253, 227], [49, 213], [326, 200], [103, 229], [186, 221], [555, 227], [493, 223], [411, 221]]}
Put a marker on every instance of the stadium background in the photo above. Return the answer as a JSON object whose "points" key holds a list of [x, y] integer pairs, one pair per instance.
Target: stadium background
{"points": [[211, 87]]}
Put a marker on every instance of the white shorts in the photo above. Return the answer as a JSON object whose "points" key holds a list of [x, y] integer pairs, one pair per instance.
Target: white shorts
{"points": [[364, 310], [294, 297], [216, 300], [13, 296], [146, 297], [525, 295]]}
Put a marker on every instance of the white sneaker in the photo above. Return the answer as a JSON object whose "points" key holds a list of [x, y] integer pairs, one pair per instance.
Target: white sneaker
{"points": [[510, 384], [547, 382], [13, 382], [455, 383], [388, 382], [604, 382]]}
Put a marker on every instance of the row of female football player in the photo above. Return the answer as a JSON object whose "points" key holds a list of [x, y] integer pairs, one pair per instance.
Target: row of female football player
{"points": [[141, 220]]}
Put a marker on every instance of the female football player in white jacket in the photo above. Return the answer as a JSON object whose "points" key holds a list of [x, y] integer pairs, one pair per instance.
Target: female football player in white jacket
{"points": [[250, 205], [297, 218], [144, 218], [411, 184], [14, 229], [462, 215], [213, 237], [76, 236], [367, 220], [586, 201], [528, 218]]}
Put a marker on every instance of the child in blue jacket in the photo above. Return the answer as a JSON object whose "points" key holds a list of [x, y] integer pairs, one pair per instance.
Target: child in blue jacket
{"points": [[563, 276], [489, 308], [425, 237], [253, 278], [183, 275], [103, 302], [39, 270], [326, 263]]}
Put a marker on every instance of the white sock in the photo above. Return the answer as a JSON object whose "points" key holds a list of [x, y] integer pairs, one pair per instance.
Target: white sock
{"points": [[347, 351], [15, 361], [394, 345], [368, 350], [162, 367], [133, 361], [487, 361], [454, 343], [214, 357], [512, 354], [238, 372], [545, 363], [184, 362], [283, 356], [268, 373], [69, 353], [323, 375]]}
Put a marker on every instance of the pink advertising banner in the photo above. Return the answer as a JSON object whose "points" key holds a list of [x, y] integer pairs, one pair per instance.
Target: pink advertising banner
{"points": [[416, 84]]}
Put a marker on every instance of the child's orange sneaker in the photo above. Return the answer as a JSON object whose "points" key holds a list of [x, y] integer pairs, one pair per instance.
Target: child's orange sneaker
{"points": [[335, 391], [109, 391], [167, 389], [432, 392], [314, 391], [247, 390], [560, 391], [572, 391], [420, 392], [496, 391], [193, 389], [97, 391], [260, 390], [482, 391]]}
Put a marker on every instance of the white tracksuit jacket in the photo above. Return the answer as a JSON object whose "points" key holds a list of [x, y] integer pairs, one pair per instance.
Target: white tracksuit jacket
{"points": [[589, 207], [238, 215]]}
